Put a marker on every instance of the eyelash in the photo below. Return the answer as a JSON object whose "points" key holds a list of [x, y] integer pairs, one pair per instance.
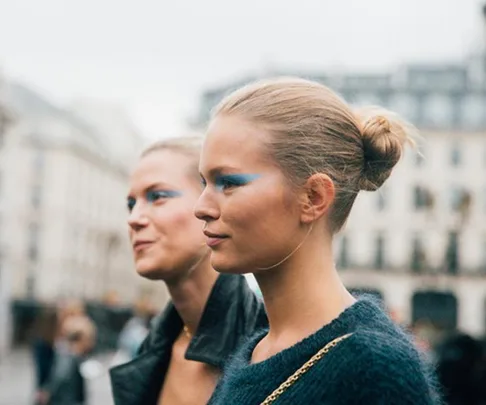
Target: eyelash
{"points": [[131, 203], [227, 182], [153, 196]]}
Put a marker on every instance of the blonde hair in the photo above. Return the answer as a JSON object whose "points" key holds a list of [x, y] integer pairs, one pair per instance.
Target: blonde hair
{"points": [[315, 131], [189, 145]]}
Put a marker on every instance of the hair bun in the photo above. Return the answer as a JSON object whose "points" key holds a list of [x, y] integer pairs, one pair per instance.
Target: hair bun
{"points": [[383, 134]]}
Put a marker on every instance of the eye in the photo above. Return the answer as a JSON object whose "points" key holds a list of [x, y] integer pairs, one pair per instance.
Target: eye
{"points": [[203, 182], [227, 182], [234, 180], [131, 203], [156, 195]]}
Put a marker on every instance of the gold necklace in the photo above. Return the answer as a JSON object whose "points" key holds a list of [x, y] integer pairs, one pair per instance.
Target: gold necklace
{"points": [[186, 331]]}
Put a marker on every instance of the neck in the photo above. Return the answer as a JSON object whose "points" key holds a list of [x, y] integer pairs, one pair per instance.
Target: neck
{"points": [[190, 294], [309, 289]]}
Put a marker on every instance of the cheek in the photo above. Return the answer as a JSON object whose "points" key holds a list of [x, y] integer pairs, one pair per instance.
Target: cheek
{"points": [[244, 212], [179, 224], [263, 211]]}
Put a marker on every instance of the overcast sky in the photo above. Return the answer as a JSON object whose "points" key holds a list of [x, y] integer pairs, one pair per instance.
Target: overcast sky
{"points": [[156, 56]]}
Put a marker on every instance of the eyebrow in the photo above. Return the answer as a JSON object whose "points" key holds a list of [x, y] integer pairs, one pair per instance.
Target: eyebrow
{"points": [[219, 169], [153, 186]]}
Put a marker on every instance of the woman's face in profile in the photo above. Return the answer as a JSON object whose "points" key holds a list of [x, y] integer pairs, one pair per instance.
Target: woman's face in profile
{"points": [[251, 214], [166, 237]]}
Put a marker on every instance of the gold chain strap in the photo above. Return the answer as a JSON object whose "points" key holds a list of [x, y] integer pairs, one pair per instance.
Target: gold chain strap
{"points": [[302, 370]]}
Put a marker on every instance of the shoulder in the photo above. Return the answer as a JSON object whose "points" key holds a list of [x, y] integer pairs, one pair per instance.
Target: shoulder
{"points": [[383, 351], [233, 302], [385, 366], [66, 363]]}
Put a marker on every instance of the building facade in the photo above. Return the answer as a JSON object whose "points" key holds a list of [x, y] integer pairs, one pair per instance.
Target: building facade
{"points": [[63, 229], [420, 241], [5, 320]]}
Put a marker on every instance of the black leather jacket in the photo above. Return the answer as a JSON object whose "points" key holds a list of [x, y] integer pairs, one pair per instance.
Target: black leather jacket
{"points": [[232, 313]]}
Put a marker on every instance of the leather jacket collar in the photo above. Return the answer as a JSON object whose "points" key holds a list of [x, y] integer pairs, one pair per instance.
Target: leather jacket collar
{"points": [[232, 313]]}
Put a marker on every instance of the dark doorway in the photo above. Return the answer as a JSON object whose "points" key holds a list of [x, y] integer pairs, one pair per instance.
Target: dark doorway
{"points": [[436, 308]]}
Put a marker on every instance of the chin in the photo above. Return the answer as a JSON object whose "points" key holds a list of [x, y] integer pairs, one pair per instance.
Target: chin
{"points": [[150, 273], [150, 270], [227, 267]]}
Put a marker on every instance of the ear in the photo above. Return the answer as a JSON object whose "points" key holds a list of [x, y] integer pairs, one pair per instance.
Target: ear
{"points": [[319, 195]]}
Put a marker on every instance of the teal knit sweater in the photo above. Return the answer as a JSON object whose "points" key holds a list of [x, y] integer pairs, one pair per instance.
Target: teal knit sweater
{"points": [[377, 365]]}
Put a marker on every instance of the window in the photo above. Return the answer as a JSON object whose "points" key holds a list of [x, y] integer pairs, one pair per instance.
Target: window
{"points": [[405, 105], [4, 121], [452, 254], [439, 111], [418, 260], [379, 252], [37, 167], [472, 111], [343, 260], [456, 157], [455, 198], [422, 198], [33, 241], [418, 197], [460, 200]]}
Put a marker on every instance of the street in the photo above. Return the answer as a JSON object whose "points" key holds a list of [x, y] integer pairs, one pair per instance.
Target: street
{"points": [[16, 381]]}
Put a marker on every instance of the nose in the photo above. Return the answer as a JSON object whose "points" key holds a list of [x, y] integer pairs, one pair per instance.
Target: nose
{"points": [[206, 208], [137, 219]]}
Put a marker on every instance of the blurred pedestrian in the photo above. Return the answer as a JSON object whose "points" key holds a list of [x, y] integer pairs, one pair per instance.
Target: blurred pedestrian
{"points": [[209, 315], [460, 370], [66, 385], [43, 341], [134, 332], [67, 309]]}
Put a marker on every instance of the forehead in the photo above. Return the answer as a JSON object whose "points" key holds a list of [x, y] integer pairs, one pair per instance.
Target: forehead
{"points": [[162, 166], [234, 142]]}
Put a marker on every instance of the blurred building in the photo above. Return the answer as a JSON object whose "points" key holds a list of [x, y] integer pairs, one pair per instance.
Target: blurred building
{"points": [[63, 184], [420, 242], [5, 322]]}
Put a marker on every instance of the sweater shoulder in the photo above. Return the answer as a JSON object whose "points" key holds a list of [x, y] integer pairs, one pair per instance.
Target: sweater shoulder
{"points": [[389, 343], [385, 364]]}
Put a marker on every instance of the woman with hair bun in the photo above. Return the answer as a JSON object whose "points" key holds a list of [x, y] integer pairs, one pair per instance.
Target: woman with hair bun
{"points": [[282, 164]]}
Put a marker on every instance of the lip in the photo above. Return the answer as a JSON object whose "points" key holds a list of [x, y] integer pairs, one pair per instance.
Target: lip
{"points": [[214, 239], [211, 242], [140, 245]]}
